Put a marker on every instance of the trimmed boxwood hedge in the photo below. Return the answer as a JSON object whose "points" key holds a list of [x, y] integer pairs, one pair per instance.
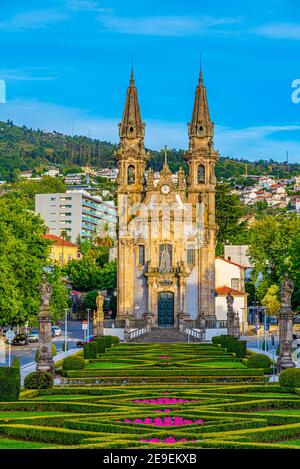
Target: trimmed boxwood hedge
{"points": [[73, 363], [90, 350], [9, 383], [290, 378], [216, 340], [259, 360], [38, 380]]}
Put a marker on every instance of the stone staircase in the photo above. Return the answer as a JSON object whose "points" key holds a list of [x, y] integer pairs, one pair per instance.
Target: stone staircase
{"points": [[164, 334]]}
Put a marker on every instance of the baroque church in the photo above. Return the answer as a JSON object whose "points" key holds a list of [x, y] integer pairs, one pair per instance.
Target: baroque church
{"points": [[167, 229]]}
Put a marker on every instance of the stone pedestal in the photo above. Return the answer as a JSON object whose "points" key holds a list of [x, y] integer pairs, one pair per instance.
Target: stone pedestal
{"points": [[45, 362], [202, 326], [285, 326], [98, 316], [285, 341], [236, 326]]}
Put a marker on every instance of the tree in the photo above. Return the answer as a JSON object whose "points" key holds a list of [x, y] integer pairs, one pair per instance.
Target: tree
{"points": [[229, 211], [274, 249], [271, 301], [24, 253]]}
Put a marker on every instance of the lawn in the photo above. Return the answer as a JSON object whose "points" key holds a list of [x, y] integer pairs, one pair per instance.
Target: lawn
{"points": [[6, 443]]}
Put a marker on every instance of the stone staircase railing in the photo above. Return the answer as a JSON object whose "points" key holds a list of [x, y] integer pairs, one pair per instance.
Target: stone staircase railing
{"points": [[131, 335]]}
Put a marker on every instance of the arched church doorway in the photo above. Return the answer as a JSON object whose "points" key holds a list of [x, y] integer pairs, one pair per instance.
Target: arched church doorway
{"points": [[165, 309]]}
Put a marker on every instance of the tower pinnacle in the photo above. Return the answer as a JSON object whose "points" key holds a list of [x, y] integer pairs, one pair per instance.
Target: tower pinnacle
{"points": [[131, 126], [200, 126]]}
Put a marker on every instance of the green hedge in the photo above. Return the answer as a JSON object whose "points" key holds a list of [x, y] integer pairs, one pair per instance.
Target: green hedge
{"points": [[259, 360], [216, 340], [234, 346], [40, 433], [290, 378], [10, 383], [38, 380], [90, 350], [73, 363]]}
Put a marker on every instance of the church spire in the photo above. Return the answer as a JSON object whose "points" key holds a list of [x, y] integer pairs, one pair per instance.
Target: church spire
{"points": [[200, 126], [131, 126]]}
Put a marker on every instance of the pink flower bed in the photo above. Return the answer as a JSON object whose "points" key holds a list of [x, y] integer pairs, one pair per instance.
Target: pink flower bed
{"points": [[165, 421], [169, 439], [165, 357], [163, 400]]}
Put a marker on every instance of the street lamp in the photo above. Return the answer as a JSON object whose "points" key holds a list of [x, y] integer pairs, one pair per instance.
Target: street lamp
{"points": [[243, 322], [66, 330], [88, 324]]}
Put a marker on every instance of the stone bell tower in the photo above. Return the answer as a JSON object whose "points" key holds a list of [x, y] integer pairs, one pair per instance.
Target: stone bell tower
{"points": [[201, 159], [131, 158]]}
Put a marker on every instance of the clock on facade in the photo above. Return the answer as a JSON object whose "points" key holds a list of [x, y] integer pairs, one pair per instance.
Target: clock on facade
{"points": [[165, 189]]}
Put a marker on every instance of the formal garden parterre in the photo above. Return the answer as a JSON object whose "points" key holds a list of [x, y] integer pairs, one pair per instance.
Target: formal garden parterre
{"points": [[173, 395]]}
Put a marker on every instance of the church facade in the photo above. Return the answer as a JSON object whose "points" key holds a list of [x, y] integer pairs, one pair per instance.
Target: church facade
{"points": [[167, 229]]}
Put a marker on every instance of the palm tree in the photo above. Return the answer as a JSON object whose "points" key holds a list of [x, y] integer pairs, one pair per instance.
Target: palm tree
{"points": [[104, 235], [64, 236]]}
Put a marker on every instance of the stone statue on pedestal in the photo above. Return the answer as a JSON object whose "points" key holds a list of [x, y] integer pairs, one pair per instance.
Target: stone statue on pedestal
{"points": [[45, 361], [230, 314], [285, 325], [99, 315]]}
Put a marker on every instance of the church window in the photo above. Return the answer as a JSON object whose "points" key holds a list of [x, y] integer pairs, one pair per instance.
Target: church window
{"points": [[131, 129], [131, 174], [165, 258], [191, 255], [141, 254], [235, 283], [201, 174]]}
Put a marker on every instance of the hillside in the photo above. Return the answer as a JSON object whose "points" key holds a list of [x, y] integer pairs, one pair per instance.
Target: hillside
{"points": [[22, 148]]}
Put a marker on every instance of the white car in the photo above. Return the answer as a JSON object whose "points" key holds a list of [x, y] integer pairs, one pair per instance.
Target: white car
{"points": [[56, 331], [33, 336]]}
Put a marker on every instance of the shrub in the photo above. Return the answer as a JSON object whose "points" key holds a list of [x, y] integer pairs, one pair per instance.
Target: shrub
{"points": [[73, 363], [290, 378], [233, 345], [90, 350], [9, 383], [38, 380], [216, 340], [258, 360], [115, 340], [16, 363], [103, 343]]}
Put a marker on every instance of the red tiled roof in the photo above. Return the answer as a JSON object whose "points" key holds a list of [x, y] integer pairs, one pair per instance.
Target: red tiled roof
{"points": [[224, 290], [230, 262], [59, 241]]}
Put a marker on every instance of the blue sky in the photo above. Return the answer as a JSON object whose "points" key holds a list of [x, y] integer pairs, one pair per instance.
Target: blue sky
{"points": [[66, 64]]}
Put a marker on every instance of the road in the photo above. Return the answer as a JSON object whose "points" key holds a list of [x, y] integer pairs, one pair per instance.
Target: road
{"points": [[26, 354]]}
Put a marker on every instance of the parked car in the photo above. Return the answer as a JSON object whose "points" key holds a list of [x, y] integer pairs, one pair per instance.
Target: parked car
{"points": [[80, 343], [20, 339], [33, 335], [56, 331]]}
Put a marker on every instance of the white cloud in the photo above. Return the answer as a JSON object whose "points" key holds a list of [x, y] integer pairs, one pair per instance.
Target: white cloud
{"points": [[279, 31], [38, 19], [27, 74], [84, 5], [167, 25], [250, 142]]}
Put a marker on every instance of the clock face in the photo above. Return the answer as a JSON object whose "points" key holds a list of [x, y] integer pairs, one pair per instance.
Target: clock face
{"points": [[165, 189]]}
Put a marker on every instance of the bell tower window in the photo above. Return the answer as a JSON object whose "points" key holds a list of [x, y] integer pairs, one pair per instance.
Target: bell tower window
{"points": [[201, 174], [131, 174]]}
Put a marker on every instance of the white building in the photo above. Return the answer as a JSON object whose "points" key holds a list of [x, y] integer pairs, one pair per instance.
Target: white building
{"points": [[230, 277], [76, 212]]}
